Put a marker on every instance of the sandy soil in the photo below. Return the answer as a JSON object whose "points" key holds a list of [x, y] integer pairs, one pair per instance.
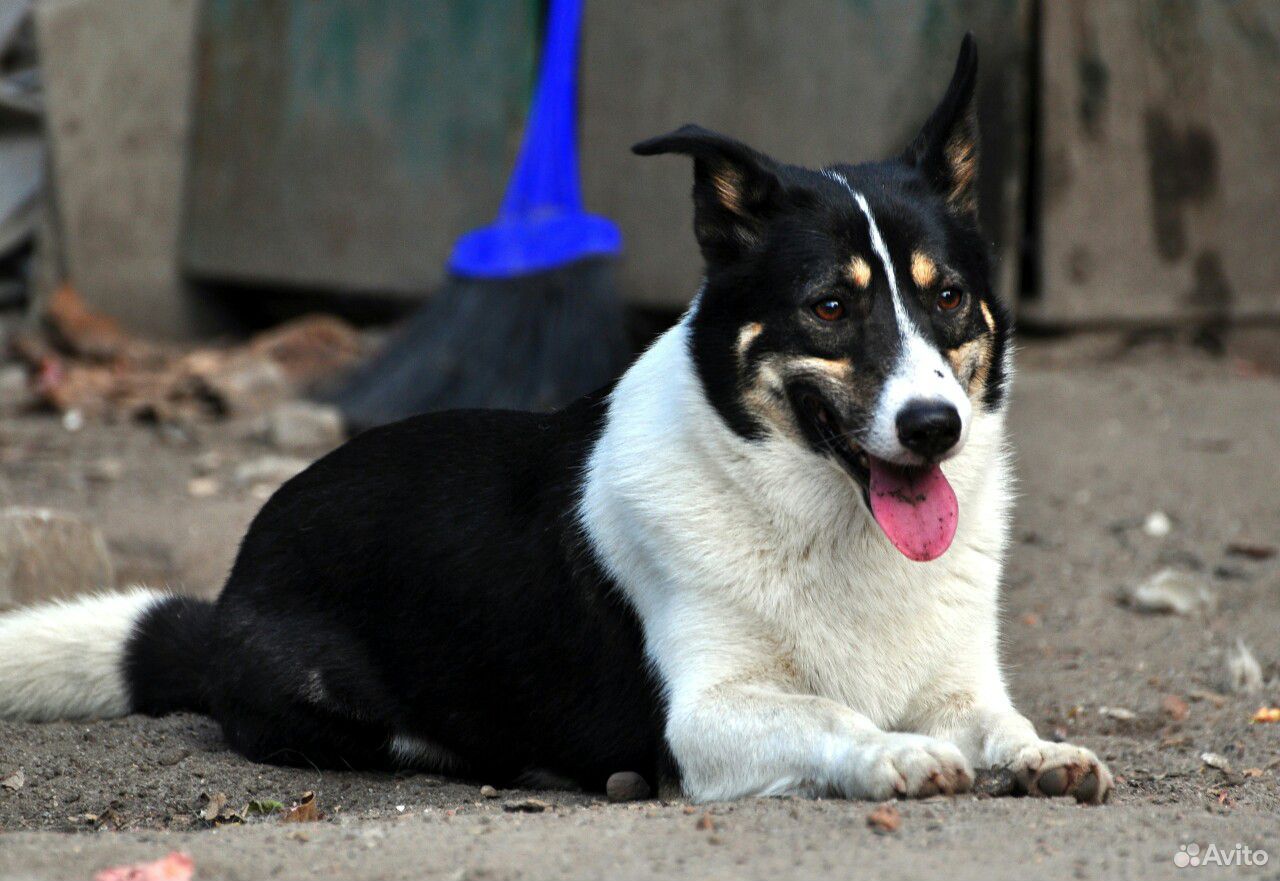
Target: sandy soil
{"points": [[1105, 437]]}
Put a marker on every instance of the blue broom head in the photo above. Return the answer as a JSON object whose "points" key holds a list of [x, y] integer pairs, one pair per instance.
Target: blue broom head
{"points": [[542, 223], [534, 242]]}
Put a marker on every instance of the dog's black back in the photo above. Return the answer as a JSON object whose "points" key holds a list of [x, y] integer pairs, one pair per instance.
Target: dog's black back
{"points": [[428, 577]]}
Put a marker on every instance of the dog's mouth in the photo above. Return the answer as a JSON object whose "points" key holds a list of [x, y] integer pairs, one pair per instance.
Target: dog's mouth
{"points": [[914, 505]]}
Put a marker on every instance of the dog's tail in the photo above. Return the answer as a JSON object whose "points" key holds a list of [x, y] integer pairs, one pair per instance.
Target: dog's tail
{"points": [[104, 655]]}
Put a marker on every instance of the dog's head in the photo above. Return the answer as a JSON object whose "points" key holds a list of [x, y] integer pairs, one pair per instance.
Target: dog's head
{"points": [[850, 308]]}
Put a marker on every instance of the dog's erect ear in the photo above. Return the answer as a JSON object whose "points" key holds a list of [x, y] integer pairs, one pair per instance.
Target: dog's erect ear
{"points": [[946, 150], [735, 189]]}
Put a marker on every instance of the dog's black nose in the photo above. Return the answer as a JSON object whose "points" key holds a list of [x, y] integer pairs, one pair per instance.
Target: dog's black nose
{"points": [[928, 428]]}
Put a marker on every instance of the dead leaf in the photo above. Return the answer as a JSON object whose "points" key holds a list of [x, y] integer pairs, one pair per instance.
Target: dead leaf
{"points": [[80, 330], [213, 805], [305, 811], [1175, 707], [215, 809], [14, 781], [177, 866], [1252, 772], [1266, 715], [884, 819]]}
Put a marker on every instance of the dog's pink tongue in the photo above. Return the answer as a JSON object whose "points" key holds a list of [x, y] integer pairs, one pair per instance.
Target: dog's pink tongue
{"points": [[915, 507]]}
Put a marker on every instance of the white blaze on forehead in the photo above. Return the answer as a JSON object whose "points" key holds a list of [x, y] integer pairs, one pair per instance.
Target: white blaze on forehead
{"points": [[920, 373]]}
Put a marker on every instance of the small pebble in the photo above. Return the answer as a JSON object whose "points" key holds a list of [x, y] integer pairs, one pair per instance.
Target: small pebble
{"points": [[173, 756], [706, 823], [73, 420], [526, 806], [488, 791], [202, 487], [626, 786], [1157, 524], [105, 470], [14, 781], [884, 819], [994, 782], [1171, 591], [1175, 707], [1243, 673]]}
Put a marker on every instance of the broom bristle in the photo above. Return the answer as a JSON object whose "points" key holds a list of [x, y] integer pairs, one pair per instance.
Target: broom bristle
{"points": [[535, 342]]}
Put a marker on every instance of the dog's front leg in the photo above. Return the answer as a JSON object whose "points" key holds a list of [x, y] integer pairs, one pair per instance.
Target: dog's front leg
{"points": [[993, 734], [735, 740]]}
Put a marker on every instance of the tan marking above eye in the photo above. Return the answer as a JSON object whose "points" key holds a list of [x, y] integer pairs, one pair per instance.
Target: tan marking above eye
{"points": [[924, 272], [747, 336], [860, 271]]}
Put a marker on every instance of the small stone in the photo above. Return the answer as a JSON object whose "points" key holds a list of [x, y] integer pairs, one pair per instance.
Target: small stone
{"points": [[173, 756], [1171, 591], [303, 425], [706, 823], [73, 420], [15, 388], [269, 469], [1219, 762], [1175, 707], [994, 783], [1120, 714], [105, 470], [488, 791], [1243, 672], [249, 384], [207, 462], [47, 555], [202, 487], [14, 781], [1157, 524], [626, 786], [884, 819], [526, 806]]}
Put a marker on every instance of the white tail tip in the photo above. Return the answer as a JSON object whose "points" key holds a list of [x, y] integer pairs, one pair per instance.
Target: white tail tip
{"points": [[65, 660]]}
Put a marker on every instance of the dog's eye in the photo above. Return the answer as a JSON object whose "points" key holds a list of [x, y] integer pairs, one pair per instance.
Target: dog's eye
{"points": [[829, 310], [950, 299]]}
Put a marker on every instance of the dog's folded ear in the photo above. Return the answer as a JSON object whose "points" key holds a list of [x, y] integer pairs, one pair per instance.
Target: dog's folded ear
{"points": [[735, 189], [946, 150]]}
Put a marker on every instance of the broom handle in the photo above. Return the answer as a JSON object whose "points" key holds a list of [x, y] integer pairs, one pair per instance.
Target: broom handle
{"points": [[545, 179]]}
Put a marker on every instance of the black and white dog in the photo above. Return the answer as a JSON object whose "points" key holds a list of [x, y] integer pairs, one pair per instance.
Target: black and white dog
{"points": [[767, 561]]}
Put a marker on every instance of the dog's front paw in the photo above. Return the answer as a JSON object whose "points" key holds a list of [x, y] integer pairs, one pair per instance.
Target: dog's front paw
{"points": [[1056, 769], [911, 766]]}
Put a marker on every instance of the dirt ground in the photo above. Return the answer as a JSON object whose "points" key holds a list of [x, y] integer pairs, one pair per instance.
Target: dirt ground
{"points": [[1106, 436]]}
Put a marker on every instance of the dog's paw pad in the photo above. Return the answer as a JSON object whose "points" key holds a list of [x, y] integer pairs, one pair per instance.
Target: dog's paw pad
{"points": [[1060, 769], [919, 767]]}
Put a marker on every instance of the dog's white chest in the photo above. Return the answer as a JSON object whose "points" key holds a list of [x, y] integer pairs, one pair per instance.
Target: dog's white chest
{"points": [[759, 559]]}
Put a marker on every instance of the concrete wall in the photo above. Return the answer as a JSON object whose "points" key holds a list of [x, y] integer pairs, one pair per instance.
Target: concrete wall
{"points": [[812, 82], [1160, 157], [117, 78]]}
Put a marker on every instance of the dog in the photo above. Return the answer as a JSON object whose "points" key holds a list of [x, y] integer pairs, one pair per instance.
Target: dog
{"points": [[765, 562]]}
